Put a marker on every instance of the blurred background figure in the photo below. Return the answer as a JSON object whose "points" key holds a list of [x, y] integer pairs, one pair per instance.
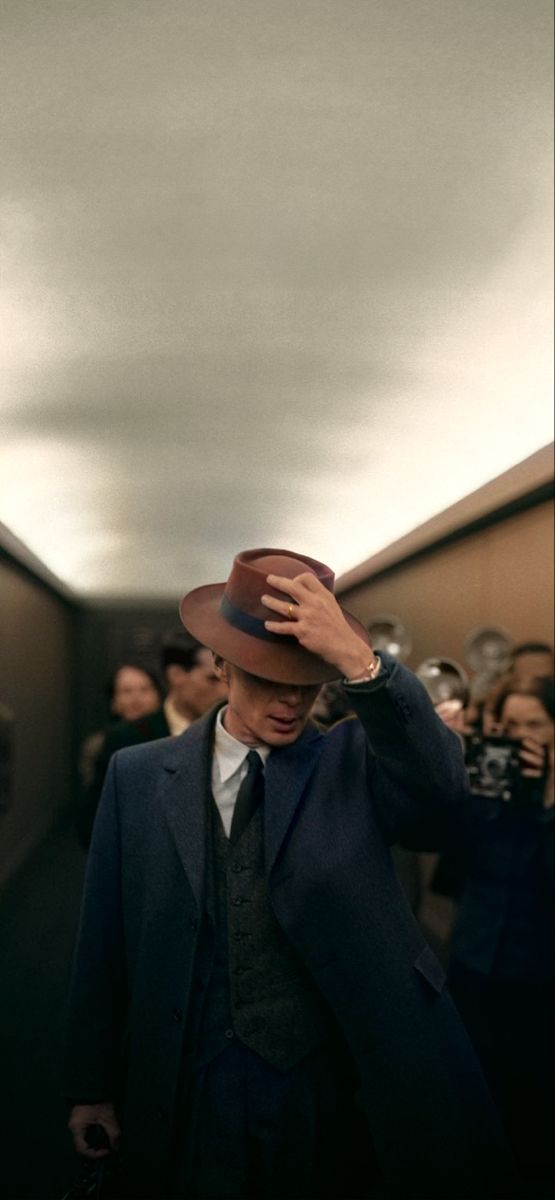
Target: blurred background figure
{"points": [[331, 705], [192, 687], [192, 683], [501, 970], [532, 660], [133, 691]]}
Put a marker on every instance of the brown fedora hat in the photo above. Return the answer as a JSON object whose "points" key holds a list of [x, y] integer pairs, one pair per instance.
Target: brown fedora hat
{"points": [[229, 618]]}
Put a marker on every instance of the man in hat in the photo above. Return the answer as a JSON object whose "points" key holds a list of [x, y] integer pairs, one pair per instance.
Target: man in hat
{"points": [[245, 947]]}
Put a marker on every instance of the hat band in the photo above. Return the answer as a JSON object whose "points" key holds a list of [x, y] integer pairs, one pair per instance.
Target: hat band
{"points": [[254, 626]]}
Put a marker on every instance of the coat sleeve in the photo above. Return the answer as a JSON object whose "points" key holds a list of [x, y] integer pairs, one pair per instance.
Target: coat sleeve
{"points": [[416, 768], [97, 1003]]}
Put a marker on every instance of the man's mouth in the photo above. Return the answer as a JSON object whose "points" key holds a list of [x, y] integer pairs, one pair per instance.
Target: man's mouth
{"points": [[284, 723]]}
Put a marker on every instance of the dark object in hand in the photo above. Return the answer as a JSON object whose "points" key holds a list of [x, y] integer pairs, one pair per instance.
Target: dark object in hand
{"points": [[97, 1138], [495, 771], [97, 1180]]}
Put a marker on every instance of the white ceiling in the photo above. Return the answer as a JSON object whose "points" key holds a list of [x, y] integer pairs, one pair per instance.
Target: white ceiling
{"points": [[274, 272]]}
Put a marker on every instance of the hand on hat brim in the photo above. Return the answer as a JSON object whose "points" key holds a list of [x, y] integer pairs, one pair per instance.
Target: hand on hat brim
{"points": [[315, 618]]}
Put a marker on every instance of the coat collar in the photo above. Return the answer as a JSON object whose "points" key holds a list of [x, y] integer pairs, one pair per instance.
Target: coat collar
{"points": [[187, 775], [182, 797]]}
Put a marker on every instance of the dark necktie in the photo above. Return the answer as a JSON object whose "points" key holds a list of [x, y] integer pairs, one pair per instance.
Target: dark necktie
{"points": [[248, 797]]}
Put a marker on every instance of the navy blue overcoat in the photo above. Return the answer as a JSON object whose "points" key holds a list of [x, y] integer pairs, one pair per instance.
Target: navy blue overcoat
{"points": [[333, 805]]}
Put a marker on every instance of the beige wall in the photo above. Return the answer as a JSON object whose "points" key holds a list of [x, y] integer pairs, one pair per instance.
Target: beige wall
{"points": [[36, 653], [501, 575]]}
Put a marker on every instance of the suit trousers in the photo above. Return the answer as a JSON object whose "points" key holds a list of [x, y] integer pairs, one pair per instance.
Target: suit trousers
{"points": [[254, 1133]]}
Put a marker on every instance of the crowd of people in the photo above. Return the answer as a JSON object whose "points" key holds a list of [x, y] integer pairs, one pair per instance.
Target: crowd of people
{"points": [[288, 1100]]}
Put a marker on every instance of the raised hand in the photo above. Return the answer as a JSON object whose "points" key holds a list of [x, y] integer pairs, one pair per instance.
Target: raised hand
{"points": [[314, 617]]}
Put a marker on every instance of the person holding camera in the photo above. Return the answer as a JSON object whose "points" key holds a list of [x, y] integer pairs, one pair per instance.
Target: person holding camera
{"points": [[501, 971]]}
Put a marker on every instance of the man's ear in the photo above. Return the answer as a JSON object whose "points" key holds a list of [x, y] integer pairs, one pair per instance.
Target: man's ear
{"points": [[221, 667]]}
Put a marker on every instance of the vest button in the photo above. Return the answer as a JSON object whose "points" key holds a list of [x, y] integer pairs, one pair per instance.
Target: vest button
{"points": [[229, 1033], [193, 923], [177, 1016], [237, 900]]}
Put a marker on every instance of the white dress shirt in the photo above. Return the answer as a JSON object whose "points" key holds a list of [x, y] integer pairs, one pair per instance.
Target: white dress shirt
{"points": [[229, 767]]}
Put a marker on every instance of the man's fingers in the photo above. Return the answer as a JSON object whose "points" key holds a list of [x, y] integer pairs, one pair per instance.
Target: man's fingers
{"points": [[296, 587], [287, 607], [448, 708], [285, 627]]}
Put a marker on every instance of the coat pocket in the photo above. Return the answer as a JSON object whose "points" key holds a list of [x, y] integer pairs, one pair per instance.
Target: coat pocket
{"points": [[432, 971]]}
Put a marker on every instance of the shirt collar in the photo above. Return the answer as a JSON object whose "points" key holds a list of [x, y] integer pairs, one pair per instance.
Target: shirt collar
{"points": [[231, 753]]}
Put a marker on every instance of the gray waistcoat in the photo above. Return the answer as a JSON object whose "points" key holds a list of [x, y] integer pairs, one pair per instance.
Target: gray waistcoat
{"points": [[258, 990]]}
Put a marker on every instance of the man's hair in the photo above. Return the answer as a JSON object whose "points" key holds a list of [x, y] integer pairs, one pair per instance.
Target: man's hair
{"points": [[543, 689], [178, 647], [532, 648]]}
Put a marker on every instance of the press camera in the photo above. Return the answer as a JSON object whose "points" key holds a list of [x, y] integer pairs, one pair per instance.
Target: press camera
{"points": [[494, 770]]}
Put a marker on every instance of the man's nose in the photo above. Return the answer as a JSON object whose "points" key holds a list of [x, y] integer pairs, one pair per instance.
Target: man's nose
{"points": [[290, 694]]}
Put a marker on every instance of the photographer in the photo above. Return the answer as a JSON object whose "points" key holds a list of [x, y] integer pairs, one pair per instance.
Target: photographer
{"points": [[501, 973]]}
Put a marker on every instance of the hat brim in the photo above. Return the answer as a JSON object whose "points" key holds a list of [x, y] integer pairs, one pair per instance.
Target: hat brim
{"points": [[280, 661]]}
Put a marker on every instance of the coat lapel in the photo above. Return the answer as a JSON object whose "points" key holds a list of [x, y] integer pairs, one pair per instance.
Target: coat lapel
{"points": [[286, 777], [183, 797]]}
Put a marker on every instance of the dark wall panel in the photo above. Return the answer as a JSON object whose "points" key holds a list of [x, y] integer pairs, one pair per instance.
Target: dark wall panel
{"points": [[36, 689]]}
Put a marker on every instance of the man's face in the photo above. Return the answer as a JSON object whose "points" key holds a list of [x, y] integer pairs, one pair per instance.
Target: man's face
{"points": [[261, 711], [194, 692]]}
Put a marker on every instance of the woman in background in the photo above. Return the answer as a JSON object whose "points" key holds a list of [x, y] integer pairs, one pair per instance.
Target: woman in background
{"points": [[133, 691]]}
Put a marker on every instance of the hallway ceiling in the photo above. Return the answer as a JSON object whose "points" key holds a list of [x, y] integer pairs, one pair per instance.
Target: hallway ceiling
{"points": [[274, 273]]}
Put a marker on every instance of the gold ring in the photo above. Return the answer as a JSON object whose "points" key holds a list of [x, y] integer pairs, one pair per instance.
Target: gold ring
{"points": [[290, 612]]}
